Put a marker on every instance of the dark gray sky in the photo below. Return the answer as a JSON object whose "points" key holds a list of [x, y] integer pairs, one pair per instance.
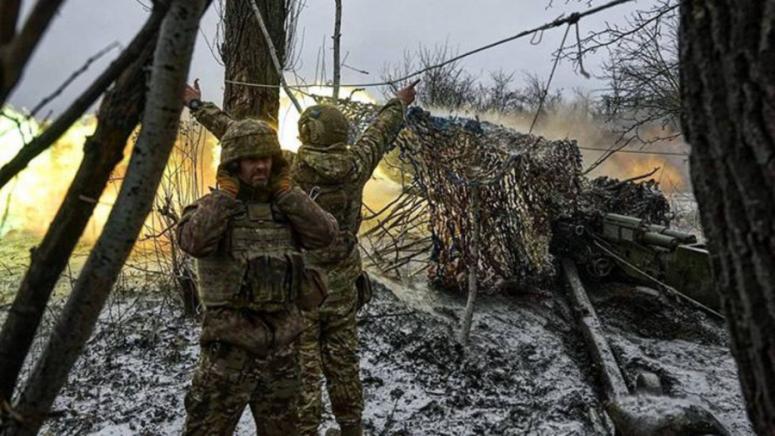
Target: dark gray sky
{"points": [[375, 33]]}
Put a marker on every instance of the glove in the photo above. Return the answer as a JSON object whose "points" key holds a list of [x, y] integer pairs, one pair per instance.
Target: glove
{"points": [[281, 181], [227, 183]]}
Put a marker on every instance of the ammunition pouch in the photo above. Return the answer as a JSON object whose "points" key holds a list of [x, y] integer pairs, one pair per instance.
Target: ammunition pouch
{"points": [[364, 288], [285, 279], [313, 290], [270, 279]]}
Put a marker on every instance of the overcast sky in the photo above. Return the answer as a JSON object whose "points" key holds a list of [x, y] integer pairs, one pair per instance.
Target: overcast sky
{"points": [[375, 33]]}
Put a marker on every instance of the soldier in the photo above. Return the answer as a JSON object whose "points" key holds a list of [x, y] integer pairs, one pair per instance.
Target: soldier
{"points": [[247, 238], [326, 164], [337, 172]]}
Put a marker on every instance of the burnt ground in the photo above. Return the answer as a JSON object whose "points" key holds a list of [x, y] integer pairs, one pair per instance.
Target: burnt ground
{"points": [[525, 372]]}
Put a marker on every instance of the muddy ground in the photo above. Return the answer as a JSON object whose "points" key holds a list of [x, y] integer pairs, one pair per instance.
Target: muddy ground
{"points": [[525, 372]]}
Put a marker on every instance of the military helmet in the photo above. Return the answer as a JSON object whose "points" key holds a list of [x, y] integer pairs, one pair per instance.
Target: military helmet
{"points": [[323, 124], [248, 138]]}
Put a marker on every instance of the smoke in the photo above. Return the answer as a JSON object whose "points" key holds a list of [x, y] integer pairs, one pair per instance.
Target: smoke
{"points": [[30, 200], [575, 121]]}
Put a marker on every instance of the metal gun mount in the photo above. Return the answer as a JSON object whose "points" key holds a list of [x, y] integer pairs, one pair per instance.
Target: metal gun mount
{"points": [[676, 264], [670, 258]]}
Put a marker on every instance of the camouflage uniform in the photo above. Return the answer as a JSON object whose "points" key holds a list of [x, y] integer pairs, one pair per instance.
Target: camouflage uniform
{"points": [[252, 283], [338, 172]]}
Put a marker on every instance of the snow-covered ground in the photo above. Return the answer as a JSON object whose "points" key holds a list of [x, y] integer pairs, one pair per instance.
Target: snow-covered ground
{"points": [[526, 370]]}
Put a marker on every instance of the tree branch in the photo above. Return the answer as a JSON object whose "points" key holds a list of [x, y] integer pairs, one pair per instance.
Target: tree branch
{"points": [[15, 55], [85, 100], [9, 15], [337, 41]]}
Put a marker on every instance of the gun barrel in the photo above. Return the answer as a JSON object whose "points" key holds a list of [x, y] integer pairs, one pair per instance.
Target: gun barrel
{"points": [[628, 228]]}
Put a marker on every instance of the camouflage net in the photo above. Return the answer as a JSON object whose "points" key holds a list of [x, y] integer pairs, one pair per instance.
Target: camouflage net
{"points": [[524, 182], [643, 200]]}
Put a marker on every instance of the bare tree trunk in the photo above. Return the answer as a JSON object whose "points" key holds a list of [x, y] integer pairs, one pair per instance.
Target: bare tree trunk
{"points": [[337, 41], [172, 59], [248, 59], [9, 14], [118, 115], [728, 95], [17, 52]]}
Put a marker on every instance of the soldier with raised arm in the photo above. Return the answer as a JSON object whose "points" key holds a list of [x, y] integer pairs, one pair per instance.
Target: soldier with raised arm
{"points": [[247, 237], [336, 172]]}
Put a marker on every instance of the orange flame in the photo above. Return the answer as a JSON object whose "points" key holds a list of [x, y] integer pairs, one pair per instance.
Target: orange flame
{"points": [[30, 201]]}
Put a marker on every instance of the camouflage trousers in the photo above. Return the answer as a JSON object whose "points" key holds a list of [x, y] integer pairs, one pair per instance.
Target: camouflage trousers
{"points": [[329, 346], [228, 378]]}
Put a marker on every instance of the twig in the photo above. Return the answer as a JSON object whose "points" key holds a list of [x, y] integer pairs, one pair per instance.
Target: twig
{"points": [[40, 143], [643, 176], [74, 75]]}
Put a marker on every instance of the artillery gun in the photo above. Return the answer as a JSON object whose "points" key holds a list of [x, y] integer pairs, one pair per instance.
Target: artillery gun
{"points": [[502, 207], [670, 259]]}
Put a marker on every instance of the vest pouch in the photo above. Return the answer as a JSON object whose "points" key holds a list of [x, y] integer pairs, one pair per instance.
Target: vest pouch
{"points": [[268, 280], [364, 288], [313, 290]]}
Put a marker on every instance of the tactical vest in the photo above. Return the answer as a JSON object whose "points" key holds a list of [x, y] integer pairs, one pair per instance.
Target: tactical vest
{"points": [[258, 265]]}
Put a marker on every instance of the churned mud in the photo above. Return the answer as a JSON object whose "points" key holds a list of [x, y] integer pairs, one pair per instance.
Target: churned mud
{"points": [[525, 370]]}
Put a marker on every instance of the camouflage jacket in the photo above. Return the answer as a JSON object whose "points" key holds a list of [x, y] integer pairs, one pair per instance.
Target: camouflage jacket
{"points": [[203, 225], [339, 172]]}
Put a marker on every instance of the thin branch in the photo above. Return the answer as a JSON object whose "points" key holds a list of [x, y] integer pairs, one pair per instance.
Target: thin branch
{"points": [[337, 41], [74, 75], [40, 143], [273, 54], [16, 54]]}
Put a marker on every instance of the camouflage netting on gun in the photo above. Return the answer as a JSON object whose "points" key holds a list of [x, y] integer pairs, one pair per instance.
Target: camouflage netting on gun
{"points": [[643, 200], [525, 184]]}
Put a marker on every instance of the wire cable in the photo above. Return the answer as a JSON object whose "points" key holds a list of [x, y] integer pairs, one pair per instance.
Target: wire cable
{"points": [[569, 20]]}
